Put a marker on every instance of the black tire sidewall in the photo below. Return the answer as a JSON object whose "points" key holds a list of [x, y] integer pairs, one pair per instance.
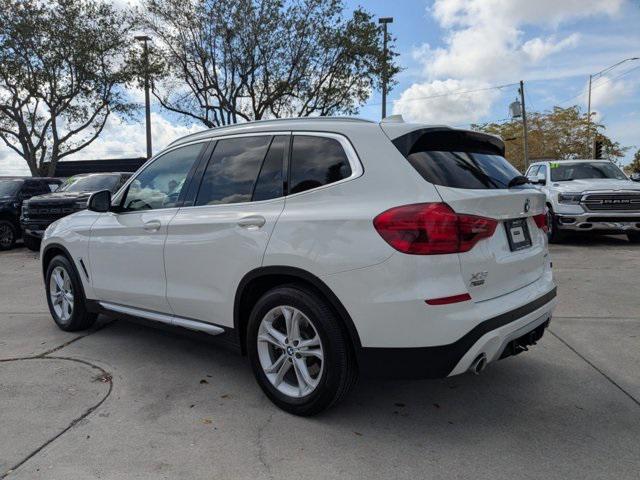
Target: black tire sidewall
{"points": [[12, 227], [555, 234], [80, 318], [31, 242], [334, 347]]}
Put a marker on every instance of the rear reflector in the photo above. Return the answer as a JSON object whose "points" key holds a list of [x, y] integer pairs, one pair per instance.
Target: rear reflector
{"points": [[432, 229], [541, 221], [463, 297]]}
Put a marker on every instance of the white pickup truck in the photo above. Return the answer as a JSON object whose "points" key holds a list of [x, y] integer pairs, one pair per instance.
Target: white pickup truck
{"points": [[587, 196]]}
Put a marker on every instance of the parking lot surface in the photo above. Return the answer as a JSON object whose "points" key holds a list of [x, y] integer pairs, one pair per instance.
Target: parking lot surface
{"points": [[126, 401]]}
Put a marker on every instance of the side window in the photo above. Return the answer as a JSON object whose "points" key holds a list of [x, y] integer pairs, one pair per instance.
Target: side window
{"points": [[52, 186], [233, 170], [317, 161], [159, 185], [269, 183], [543, 171], [533, 171], [31, 189]]}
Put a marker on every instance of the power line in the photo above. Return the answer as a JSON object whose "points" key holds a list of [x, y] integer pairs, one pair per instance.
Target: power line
{"points": [[603, 82], [455, 92]]}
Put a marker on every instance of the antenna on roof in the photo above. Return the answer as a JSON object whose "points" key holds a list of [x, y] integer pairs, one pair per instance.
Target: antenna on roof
{"points": [[393, 119]]}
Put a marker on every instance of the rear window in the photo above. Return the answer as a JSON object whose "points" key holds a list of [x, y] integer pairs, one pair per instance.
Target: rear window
{"points": [[458, 159]]}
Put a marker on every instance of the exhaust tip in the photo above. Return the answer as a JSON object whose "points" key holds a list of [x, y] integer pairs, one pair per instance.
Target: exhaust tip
{"points": [[479, 364]]}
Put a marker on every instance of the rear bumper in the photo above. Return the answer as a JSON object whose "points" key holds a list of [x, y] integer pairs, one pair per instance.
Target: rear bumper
{"points": [[492, 338], [609, 222]]}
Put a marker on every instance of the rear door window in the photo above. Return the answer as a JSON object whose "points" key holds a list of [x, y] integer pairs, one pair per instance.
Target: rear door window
{"points": [[317, 161], [233, 170]]}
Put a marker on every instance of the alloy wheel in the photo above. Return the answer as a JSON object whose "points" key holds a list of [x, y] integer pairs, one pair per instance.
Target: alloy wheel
{"points": [[61, 293], [6, 235], [290, 351]]}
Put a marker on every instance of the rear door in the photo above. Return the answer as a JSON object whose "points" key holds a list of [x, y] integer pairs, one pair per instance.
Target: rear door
{"points": [[473, 178], [214, 242]]}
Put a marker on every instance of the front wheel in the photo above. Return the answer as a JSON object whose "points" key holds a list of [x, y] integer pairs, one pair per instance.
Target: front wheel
{"points": [[554, 234], [31, 242], [66, 297], [8, 234], [634, 237], [299, 353]]}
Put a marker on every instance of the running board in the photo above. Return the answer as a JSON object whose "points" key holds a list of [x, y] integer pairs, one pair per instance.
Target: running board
{"points": [[164, 318]]}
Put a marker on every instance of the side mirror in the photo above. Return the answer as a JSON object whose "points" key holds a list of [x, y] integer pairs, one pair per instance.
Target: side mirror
{"points": [[100, 201], [635, 177]]}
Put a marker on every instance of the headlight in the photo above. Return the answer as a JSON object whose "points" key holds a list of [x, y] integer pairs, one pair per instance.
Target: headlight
{"points": [[571, 198]]}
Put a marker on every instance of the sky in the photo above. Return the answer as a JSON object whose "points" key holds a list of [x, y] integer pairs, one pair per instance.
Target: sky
{"points": [[469, 46]]}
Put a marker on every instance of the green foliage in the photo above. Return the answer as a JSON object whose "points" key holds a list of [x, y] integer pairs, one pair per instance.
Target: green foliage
{"points": [[62, 66], [634, 166], [557, 134], [228, 60]]}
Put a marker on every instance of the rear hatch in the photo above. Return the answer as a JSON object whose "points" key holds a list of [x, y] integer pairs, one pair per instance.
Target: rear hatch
{"points": [[471, 175]]}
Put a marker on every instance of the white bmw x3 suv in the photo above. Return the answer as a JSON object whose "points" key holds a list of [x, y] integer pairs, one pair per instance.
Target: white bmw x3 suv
{"points": [[321, 248]]}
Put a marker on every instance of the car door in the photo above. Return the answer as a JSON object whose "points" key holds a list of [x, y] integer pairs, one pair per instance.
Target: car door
{"points": [[214, 243], [126, 248]]}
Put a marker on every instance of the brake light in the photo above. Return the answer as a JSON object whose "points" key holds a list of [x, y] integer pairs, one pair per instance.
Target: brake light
{"points": [[432, 229], [541, 221]]}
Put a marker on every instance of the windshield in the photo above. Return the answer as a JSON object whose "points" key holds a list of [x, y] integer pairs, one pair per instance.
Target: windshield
{"points": [[90, 183], [564, 172], [464, 169], [8, 188]]}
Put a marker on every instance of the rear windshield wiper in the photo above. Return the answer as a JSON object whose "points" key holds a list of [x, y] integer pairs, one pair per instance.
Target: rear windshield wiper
{"points": [[518, 180]]}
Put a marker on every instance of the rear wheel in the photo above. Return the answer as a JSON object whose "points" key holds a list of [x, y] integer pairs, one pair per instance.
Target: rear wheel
{"points": [[8, 234], [299, 353], [66, 297], [31, 242], [554, 234], [634, 237]]}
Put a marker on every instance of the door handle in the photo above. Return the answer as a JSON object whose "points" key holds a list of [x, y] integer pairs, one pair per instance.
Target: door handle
{"points": [[252, 221], [152, 225]]}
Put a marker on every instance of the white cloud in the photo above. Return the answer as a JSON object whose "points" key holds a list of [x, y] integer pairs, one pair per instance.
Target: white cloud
{"points": [[119, 139], [484, 43], [606, 91], [452, 110]]}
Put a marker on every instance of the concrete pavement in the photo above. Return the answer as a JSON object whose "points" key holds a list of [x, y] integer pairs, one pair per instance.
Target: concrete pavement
{"points": [[128, 401]]}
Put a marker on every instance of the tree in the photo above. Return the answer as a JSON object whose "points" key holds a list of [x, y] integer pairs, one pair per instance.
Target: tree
{"points": [[234, 60], [62, 65], [557, 134], [634, 166]]}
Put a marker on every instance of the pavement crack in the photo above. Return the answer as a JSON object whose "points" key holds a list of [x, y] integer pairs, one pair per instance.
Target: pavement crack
{"points": [[260, 443], [596, 368], [102, 373]]}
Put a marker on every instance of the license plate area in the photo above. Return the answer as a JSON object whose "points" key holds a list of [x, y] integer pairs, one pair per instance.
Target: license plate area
{"points": [[518, 234]]}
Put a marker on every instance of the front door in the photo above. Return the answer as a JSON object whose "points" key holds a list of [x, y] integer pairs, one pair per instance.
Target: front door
{"points": [[213, 244], [126, 249]]}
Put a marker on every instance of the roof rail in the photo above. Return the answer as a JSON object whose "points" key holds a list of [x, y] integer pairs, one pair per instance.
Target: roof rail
{"points": [[275, 120]]}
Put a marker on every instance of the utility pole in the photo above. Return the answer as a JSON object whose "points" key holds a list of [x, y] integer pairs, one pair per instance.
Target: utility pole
{"points": [[590, 147], [147, 106], [589, 120], [385, 21], [524, 127]]}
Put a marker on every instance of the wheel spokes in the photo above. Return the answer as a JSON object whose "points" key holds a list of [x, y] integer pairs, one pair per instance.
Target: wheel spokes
{"points": [[281, 373]]}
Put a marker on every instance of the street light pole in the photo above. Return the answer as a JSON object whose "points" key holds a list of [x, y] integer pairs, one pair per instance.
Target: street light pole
{"points": [[385, 21], [147, 106], [591, 77], [524, 127]]}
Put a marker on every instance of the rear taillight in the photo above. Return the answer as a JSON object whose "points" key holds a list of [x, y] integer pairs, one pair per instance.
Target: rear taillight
{"points": [[541, 221], [432, 229]]}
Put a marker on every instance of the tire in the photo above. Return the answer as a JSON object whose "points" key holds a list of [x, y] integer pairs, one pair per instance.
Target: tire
{"points": [[76, 317], [555, 235], [331, 377], [8, 235], [31, 242], [634, 237]]}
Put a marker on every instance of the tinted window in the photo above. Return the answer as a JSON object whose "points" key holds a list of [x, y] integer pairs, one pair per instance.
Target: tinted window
{"points": [[463, 169], [317, 161], [564, 172], [233, 170], [31, 189], [159, 185], [8, 188], [90, 183], [269, 184]]}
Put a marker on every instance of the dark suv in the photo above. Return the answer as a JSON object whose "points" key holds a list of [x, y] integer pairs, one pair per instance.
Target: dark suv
{"points": [[13, 192], [41, 211]]}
